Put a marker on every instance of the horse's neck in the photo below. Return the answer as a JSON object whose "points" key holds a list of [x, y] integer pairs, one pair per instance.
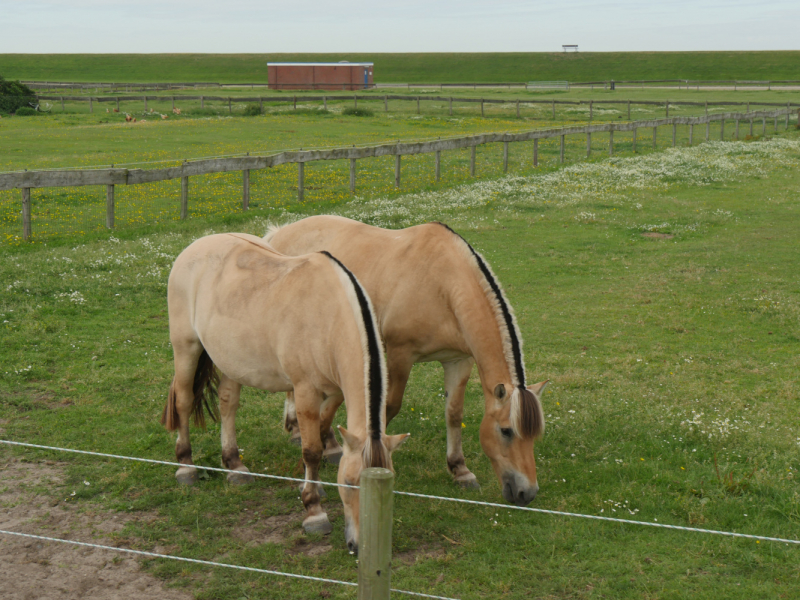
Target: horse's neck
{"points": [[481, 332]]}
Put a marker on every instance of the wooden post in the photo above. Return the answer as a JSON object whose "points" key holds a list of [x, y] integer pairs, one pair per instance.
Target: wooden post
{"points": [[536, 152], [438, 163], [324, 103], [202, 102], [674, 133], [706, 107], [397, 170], [417, 104], [353, 176], [117, 105], [763, 126], [481, 106], [472, 152], [561, 155], [751, 126], [588, 144], [691, 133], [611, 141], [375, 537], [451, 106], [776, 124], [294, 102], [230, 108], [26, 214], [62, 103], [737, 129], [708, 129], [173, 103], [554, 110], [245, 189], [722, 130], [355, 101], [787, 120], [655, 136], [505, 157], [300, 180], [145, 104], [184, 198], [667, 108], [110, 207], [261, 105], [629, 110], [91, 108], [634, 140], [591, 110]]}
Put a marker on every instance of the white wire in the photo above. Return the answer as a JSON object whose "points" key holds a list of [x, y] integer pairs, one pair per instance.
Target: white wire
{"points": [[429, 497]]}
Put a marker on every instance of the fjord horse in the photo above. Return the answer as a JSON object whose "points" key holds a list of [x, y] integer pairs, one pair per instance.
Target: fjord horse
{"points": [[436, 299], [242, 314]]}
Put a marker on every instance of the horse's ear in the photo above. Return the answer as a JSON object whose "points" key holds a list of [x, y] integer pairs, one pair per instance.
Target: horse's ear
{"points": [[393, 442], [538, 388], [350, 440]]}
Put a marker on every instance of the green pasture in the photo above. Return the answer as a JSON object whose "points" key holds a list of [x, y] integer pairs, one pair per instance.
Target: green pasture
{"points": [[673, 358], [443, 67]]}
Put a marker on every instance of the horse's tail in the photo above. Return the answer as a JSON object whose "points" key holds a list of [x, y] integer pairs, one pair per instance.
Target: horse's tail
{"points": [[204, 388]]}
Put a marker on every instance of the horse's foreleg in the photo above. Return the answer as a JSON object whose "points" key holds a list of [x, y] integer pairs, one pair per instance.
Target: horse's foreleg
{"points": [[308, 404], [398, 366], [229, 392], [333, 451], [456, 376]]}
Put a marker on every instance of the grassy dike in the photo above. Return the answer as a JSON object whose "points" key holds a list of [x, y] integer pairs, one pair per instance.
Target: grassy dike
{"points": [[673, 358], [410, 67]]}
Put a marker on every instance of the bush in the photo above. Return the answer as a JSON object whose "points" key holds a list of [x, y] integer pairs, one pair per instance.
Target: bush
{"points": [[15, 95], [358, 112], [26, 111], [252, 110]]}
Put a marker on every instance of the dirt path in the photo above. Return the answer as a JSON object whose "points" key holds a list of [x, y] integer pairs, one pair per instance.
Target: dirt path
{"points": [[32, 569]]}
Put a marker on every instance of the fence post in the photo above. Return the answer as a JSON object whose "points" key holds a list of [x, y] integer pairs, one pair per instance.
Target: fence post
{"points": [[505, 157], [173, 103], [245, 189], [438, 163], [674, 133], [667, 109], [353, 176], [655, 136], [110, 206], [417, 104], [386, 104], [375, 537], [691, 133], [91, 107], [202, 102], [588, 144], [261, 105], [62, 103], [230, 109], [518, 110], [634, 140], [26, 214], [481, 106], [751, 126], [722, 130], [355, 101], [536, 152], [472, 151], [300, 180], [776, 124], [611, 140], [629, 110], [737, 129], [707, 107], [763, 125], [397, 170], [324, 103], [591, 111], [451, 106], [561, 155], [708, 129], [117, 104], [184, 198], [554, 110], [145, 104]]}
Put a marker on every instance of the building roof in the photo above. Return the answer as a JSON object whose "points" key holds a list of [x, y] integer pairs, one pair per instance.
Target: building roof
{"points": [[320, 64]]}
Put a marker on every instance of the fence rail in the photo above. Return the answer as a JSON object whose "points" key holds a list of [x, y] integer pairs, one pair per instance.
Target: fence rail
{"points": [[110, 177]]}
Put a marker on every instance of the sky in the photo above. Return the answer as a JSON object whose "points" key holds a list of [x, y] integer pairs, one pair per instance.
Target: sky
{"points": [[267, 26]]}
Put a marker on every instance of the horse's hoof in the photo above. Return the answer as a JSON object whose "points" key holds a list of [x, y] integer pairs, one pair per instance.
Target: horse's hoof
{"points": [[296, 440], [317, 524], [240, 477], [187, 475], [333, 456], [469, 483], [320, 490]]}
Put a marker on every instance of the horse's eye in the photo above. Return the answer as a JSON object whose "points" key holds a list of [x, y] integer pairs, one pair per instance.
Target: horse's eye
{"points": [[507, 432]]}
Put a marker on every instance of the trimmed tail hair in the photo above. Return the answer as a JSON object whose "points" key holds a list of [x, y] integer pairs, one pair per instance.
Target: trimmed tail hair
{"points": [[204, 388]]}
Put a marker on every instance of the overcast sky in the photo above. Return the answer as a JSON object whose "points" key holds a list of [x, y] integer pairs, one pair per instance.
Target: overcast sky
{"points": [[107, 26]]}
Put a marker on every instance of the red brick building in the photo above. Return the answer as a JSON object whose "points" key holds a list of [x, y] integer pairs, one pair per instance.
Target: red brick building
{"points": [[320, 76]]}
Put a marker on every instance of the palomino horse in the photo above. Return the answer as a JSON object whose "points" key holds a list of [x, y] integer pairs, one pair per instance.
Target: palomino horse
{"points": [[278, 323], [436, 299]]}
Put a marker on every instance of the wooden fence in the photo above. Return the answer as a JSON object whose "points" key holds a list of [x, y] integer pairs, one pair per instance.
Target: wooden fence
{"points": [[355, 98], [111, 177]]}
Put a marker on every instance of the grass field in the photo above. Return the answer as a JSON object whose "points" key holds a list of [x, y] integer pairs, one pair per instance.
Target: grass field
{"points": [[413, 68], [669, 354]]}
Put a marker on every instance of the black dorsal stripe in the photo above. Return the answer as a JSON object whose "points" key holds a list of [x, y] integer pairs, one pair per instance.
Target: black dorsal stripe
{"points": [[504, 309], [375, 384]]}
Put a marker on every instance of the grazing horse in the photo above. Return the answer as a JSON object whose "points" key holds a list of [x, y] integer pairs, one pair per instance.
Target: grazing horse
{"points": [[436, 299], [242, 314]]}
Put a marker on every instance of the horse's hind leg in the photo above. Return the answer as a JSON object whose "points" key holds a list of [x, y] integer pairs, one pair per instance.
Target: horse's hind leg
{"points": [[229, 392], [333, 451], [309, 402], [186, 357], [456, 376]]}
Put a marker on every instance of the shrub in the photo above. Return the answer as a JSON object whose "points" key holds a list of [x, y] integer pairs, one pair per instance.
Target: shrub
{"points": [[252, 110], [26, 111], [15, 95], [358, 112]]}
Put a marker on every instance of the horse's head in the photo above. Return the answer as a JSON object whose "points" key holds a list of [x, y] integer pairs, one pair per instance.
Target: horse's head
{"points": [[360, 453], [513, 419]]}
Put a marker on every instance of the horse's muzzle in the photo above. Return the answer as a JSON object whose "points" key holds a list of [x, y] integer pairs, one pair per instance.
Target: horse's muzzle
{"points": [[517, 490]]}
